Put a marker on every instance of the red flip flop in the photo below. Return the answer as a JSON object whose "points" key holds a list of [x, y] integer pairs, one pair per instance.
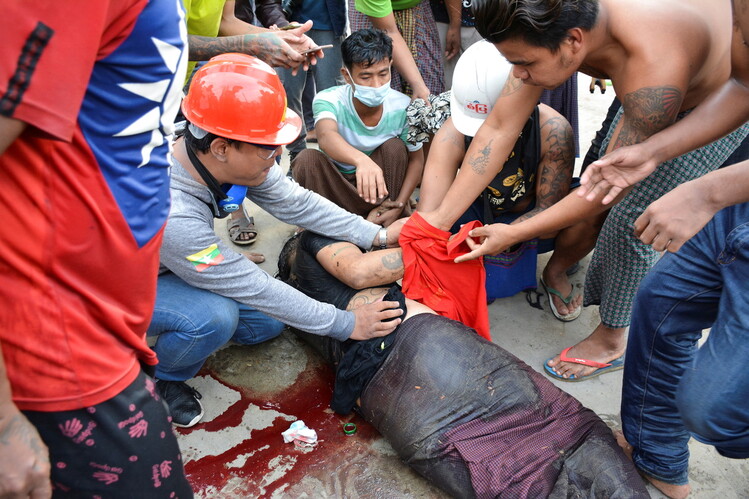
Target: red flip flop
{"points": [[601, 367]]}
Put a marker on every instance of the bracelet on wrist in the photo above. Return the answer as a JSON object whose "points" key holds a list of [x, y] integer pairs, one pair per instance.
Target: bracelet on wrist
{"points": [[383, 238]]}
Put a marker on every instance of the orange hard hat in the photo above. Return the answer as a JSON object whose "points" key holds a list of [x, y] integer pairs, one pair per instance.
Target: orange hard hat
{"points": [[240, 97]]}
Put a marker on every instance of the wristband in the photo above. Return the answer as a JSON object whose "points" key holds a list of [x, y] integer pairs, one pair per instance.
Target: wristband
{"points": [[349, 429], [383, 236]]}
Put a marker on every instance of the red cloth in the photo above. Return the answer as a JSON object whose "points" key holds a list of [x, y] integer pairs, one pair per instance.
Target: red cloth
{"points": [[431, 277], [84, 193]]}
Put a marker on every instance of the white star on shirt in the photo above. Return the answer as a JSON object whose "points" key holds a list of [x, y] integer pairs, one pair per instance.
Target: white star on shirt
{"points": [[159, 92]]}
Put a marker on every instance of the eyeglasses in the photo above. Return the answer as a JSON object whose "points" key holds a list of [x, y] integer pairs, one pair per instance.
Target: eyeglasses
{"points": [[265, 147]]}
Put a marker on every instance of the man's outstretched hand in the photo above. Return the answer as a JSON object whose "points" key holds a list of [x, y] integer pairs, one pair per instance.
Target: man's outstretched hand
{"points": [[676, 217], [615, 172]]}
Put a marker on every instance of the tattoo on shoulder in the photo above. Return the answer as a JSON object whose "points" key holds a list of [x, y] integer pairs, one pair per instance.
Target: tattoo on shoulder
{"points": [[393, 261], [647, 111], [479, 164]]}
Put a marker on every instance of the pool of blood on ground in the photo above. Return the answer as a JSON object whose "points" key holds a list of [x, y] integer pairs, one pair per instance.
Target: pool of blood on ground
{"points": [[307, 399]]}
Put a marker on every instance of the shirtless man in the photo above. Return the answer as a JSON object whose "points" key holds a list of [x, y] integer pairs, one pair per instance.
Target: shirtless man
{"points": [[704, 401], [662, 58]]}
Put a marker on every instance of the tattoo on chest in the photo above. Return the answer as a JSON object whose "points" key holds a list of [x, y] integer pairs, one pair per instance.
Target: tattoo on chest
{"points": [[646, 112], [365, 297]]}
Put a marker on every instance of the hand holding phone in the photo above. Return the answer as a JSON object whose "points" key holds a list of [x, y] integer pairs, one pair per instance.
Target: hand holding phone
{"points": [[290, 26], [315, 49]]}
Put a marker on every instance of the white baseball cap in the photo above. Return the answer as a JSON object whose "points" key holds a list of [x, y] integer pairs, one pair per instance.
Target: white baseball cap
{"points": [[480, 75]]}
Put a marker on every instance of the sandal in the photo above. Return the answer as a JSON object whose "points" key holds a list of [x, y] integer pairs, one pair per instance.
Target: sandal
{"points": [[601, 367], [566, 300], [240, 226]]}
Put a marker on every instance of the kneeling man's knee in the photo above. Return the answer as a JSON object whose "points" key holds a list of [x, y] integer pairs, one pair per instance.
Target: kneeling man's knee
{"points": [[713, 418]]}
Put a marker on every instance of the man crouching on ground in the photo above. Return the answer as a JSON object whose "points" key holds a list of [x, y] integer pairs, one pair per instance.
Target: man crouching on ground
{"points": [[209, 294]]}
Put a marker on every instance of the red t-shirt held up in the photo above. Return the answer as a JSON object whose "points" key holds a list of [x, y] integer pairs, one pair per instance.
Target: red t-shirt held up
{"points": [[431, 277]]}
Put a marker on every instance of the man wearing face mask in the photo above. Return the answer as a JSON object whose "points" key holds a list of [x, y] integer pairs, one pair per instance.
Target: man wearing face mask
{"points": [[365, 164]]}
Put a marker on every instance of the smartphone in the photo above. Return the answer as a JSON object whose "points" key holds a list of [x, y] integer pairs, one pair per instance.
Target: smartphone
{"points": [[321, 47]]}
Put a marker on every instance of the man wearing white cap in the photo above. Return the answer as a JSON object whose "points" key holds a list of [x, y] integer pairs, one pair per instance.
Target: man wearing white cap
{"points": [[536, 174]]}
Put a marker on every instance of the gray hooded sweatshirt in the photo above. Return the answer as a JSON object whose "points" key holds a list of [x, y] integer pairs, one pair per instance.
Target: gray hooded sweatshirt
{"points": [[192, 250]]}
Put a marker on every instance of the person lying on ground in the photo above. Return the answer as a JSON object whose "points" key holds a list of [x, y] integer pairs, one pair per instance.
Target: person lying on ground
{"points": [[461, 411]]}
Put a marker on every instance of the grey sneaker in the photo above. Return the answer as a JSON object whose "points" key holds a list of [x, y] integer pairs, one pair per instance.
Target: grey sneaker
{"points": [[183, 401]]}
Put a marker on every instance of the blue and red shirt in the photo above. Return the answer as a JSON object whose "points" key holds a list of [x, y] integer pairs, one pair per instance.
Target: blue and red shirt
{"points": [[85, 191]]}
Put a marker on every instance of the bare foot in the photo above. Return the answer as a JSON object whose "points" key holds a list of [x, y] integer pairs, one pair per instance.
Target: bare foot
{"points": [[669, 489], [626, 446], [255, 257], [560, 282], [603, 345]]}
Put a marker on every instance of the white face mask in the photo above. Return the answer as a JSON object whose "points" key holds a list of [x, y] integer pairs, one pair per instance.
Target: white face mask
{"points": [[370, 96]]}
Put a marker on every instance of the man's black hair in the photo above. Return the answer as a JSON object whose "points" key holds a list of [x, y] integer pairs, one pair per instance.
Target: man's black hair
{"points": [[204, 144], [542, 23], [366, 47], [286, 260]]}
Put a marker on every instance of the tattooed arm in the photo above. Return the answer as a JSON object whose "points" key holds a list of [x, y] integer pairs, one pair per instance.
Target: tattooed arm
{"points": [[647, 110], [24, 461], [277, 48], [725, 110], [265, 46], [557, 161], [358, 270], [490, 147]]}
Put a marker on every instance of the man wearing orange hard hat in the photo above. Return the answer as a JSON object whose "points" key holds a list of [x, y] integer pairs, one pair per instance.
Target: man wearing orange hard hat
{"points": [[208, 294]]}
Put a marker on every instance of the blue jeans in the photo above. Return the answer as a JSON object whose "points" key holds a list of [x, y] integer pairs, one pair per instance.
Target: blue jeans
{"points": [[192, 323], [672, 388], [327, 73]]}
